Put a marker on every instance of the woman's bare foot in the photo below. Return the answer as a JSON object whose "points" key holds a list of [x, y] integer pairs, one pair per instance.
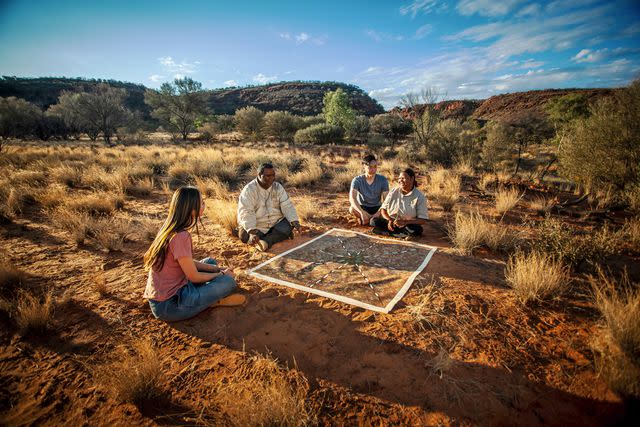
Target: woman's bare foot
{"points": [[231, 301]]}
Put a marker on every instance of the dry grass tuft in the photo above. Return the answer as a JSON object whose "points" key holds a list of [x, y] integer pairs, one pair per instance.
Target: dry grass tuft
{"points": [[261, 393], [100, 285], [306, 207], [467, 232], [487, 182], [212, 187], [95, 204], [343, 176], [11, 279], [507, 199], [464, 167], [631, 232], [77, 224], [111, 233], [139, 374], [67, 175], [52, 196], [141, 187], [419, 312], [619, 341], [308, 176], [542, 205], [444, 188], [441, 362], [224, 213], [536, 276], [472, 230], [33, 314]]}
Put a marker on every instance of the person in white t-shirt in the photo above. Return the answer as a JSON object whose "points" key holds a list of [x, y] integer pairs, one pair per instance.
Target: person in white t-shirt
{"points": [[404, 210]]}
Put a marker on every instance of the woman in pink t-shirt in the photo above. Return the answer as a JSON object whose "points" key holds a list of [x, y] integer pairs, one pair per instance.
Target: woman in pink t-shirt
{"points": [[178, 287]]}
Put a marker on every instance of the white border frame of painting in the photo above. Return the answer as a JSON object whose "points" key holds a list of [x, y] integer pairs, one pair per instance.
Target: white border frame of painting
{"points": [[347, 300]]}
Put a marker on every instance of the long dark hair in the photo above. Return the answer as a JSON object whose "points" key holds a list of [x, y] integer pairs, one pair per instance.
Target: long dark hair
{"points": [[412, 174], [184, 202]]}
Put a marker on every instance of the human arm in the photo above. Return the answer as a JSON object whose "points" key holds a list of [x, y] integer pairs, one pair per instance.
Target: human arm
{"points": [[355, 205], [189, 268], [206, 268], [422, 215], [247, 209]]}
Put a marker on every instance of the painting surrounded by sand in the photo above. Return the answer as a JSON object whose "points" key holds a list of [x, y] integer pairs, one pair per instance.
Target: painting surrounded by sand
{"points": [[355, 268]]}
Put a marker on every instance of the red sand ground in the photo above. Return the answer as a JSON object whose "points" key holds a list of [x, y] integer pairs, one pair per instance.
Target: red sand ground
{"points": [[506, 364]]}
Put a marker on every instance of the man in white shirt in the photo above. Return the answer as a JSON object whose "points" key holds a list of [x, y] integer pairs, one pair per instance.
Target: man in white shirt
{"points": [[266, 214]]}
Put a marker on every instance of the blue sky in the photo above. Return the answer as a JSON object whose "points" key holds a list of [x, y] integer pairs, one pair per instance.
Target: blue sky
{"points": [[463, 48]]}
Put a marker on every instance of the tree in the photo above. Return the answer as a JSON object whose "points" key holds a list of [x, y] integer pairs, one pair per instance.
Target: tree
{"points": [[602, 151], [249, 121], [280, 124], [178, 105], [337, 109], [101, 110], [392, 126], [18, 118], [68, 110], [422, 106]]}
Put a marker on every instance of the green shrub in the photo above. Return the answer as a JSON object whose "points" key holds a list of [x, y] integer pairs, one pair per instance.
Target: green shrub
{"points": [[249, 121], [280, 125], [602, 151], [320, 134]]}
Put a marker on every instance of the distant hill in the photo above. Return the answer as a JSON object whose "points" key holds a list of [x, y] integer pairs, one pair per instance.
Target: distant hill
{"points": [[303, 98], [44, 91], [506, 108]]}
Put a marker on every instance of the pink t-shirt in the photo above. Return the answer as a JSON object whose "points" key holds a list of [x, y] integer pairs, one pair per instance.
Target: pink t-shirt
{"points": [[165, 283]]}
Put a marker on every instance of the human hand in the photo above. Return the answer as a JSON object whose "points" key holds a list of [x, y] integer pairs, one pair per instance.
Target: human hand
{"points": [[365, 218], [296, 225], [400, 222], [390, 225], [253, 239]]}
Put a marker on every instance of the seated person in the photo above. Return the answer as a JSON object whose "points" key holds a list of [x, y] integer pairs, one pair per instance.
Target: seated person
{"points": [[367, 192], [404, 210], [266, 214]]}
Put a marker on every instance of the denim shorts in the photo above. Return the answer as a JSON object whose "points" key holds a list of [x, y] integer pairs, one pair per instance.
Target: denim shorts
{"points": [[192, 298]]}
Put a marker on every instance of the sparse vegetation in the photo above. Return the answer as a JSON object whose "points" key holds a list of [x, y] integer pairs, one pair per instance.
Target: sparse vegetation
{"points": [[139, 374], [506, 199], [444, 188], [262, 393], [34, 313], [472, 230], [536, 276], [223, 213], [618, 344]]}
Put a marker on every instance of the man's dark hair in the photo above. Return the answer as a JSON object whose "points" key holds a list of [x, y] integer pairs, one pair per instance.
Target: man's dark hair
{"points": [[412, 174], [368, 159], [264, 166]]}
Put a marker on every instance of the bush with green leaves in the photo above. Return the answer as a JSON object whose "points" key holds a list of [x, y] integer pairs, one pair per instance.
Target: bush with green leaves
{"points": [[18, 118], [249, 121], [455, 141], [179, 105], [498, 151], [281, 125], [337, 109], [392, 126], [320, 134], [554, 238], [602, 151], [359, 131]]}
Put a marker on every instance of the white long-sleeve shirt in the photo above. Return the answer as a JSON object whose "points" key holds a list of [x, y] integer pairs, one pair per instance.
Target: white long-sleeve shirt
{"points": [[261, 209]]}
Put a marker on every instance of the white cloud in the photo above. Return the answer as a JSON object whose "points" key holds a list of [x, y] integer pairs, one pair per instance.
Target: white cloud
{"points": [[529, 10], [530, 63], [422, 31], [487, 7], [231, 83], [380, 36], [262, 79], [424, 6], [182, 68], [156, 78], [178, 76], [304, 37], [538, 34], [588, 55]]}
